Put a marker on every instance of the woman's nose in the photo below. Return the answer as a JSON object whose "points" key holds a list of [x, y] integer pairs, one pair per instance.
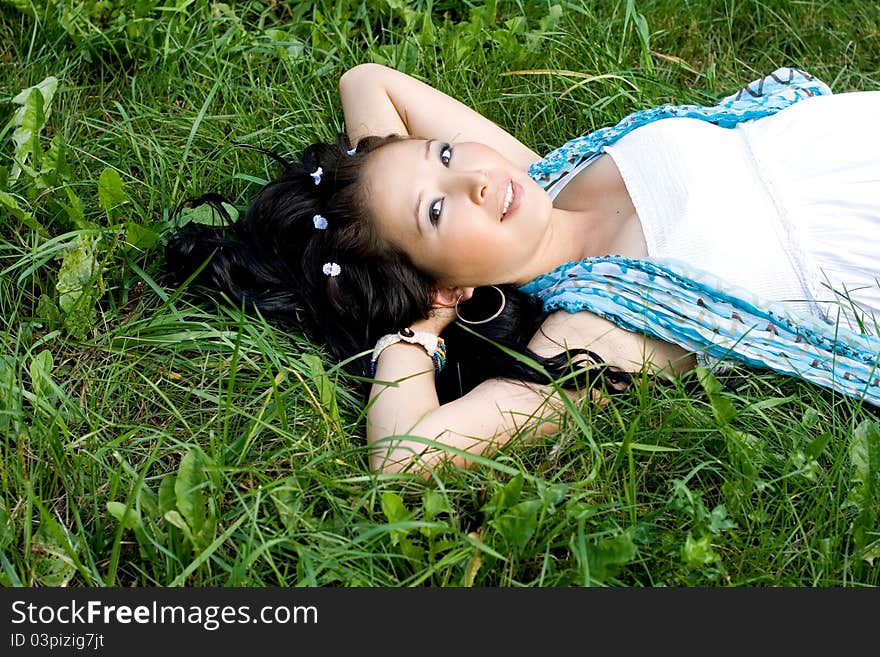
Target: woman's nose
{"points": [[476, 185]]}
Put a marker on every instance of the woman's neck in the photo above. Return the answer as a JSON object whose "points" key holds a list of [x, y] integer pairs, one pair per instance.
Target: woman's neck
{"points": [[571, 236]]}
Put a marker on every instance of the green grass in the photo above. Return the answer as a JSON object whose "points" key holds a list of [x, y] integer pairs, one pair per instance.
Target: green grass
{"points": [[239, 450]]}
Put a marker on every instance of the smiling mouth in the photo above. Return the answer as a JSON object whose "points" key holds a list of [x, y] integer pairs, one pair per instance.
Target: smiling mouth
{"points": [[508, 199]]}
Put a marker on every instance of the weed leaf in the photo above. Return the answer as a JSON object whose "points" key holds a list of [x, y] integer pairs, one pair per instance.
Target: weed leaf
{"points": [[864, 452], [110, 194], [80, 285], [519, 522], [125, 515], [189, 490]]}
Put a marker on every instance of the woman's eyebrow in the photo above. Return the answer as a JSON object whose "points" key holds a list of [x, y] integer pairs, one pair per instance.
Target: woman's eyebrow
{"points": [[419, 199]]}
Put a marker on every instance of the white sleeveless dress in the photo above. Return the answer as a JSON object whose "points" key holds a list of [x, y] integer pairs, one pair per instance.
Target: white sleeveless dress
{"points": [[787, 206]]}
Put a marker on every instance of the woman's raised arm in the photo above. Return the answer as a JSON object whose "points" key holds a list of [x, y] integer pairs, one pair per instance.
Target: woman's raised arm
{"points": [[405, 419], [402, 418], [377, 100]]}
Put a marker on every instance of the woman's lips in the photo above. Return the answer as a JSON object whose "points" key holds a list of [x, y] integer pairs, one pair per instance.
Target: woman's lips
{"points": [[515, 201]]}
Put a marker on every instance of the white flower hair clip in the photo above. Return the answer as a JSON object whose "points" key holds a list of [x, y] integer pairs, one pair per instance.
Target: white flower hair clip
{"points": [[331, 269], [317, 175], [320, 222]]}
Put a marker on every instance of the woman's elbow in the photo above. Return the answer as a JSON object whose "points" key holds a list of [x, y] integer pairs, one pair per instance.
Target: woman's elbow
{"points": [[356, 75]]}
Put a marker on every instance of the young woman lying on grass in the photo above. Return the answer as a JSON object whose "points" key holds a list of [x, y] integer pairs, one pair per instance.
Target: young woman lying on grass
{"points": [[748, 231]]}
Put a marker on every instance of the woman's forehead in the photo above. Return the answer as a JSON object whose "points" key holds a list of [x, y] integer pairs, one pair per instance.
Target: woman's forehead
{"points": [[398, 153], [391, 176]]}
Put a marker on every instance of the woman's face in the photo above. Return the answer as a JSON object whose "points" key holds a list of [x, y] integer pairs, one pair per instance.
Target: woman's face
{"points": [[463, 213]]}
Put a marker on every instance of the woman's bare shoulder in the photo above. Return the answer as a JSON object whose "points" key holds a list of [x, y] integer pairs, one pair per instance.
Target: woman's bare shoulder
{"points": [[624, 349]]}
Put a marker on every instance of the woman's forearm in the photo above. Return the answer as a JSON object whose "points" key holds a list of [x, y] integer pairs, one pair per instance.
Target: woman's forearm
{"points": [[402, 396], [377, 100]]}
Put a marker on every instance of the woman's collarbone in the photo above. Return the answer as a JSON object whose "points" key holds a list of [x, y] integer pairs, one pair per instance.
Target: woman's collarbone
{"points": [[599, 192]]}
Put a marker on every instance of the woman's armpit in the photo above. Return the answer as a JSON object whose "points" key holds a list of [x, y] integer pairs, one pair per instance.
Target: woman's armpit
{"points": [[618, 348]]}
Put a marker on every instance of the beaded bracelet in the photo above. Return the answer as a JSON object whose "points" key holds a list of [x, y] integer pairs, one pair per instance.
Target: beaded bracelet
{"points": [[434, 345]]}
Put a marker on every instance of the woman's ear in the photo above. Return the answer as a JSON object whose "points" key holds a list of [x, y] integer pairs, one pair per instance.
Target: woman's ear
{"points": [[447, 297]]}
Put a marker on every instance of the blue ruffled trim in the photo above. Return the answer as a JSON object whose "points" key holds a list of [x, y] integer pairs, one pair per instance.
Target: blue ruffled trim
{"points": [[668, 300]]}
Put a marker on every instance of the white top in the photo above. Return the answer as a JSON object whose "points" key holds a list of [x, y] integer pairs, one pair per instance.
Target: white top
{"points": [[787, 206], [699, 198]]}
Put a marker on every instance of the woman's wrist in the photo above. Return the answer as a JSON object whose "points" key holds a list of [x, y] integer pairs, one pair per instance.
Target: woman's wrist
{"points": [[431, 344]]}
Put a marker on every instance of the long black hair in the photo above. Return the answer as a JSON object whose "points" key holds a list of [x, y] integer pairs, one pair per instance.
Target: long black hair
{"points": [[273, 260]]}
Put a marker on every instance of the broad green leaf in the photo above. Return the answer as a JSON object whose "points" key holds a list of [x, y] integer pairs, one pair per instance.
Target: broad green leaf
{"points": [[53, 564], [46, 88], [817, 445], [395, 511], [552, 495], [864, 494], [718, 521], [519, 522], [189, 490], [26, 136], [110, 193], [55, 160], [288, 499], [177, 520], [811, 416], [722, 407], [577, 510], [698, 552], [206, 215], [23, 6], [203, 537], [125, 515], [9, 202], [434, 503], [48, 310], [41, 367], [871, 552], [609, 554], [139, 236], [687, 500], [80, 285], [507, 496], [548, 23], [393, 507], [167, 498], [514, 26], [76, 211], [148, 501], [746, 451], [410, 549], [29, 120], [864, 453]]}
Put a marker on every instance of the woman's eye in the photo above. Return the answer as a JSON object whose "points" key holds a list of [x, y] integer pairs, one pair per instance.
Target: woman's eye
{"points": [[445, 154], [434, 211]]}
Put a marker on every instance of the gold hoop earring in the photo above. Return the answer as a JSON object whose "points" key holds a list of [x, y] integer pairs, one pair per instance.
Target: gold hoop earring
{"points": [[488, 319]]}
